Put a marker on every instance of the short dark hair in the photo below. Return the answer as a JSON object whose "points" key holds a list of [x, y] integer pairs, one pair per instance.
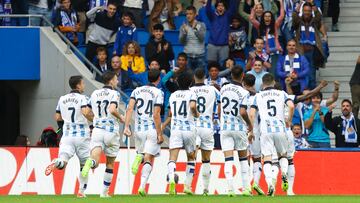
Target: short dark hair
{"points": [[184, 80], [107, 76], [153, 75], [112, 3], [221, 2], [278, 86], [199, 73], [191, 8], [319, 94], [74, 81], [259, 38], [296, 125], [213, 64], [268, 79], [101, 49], [249, 80], [158, 27], [346, 100], [128, 14], [306, 4], [182, 55], [231, 59], [237, 72]]}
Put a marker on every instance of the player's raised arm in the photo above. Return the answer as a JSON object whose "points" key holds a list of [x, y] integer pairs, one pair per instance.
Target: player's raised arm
{"points": [[129, 112], [308, 95], [291, 107]]}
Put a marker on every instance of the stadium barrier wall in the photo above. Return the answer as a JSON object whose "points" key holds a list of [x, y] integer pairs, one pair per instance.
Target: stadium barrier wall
{"points": [[22, 172]]}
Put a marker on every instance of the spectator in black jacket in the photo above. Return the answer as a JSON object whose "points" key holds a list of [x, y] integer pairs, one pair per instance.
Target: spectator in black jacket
{"points": [[345, 127], [355, 88], [159, 49]]}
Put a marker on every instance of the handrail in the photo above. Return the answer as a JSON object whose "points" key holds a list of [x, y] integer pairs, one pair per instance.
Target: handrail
{"points": [[65, 39]]}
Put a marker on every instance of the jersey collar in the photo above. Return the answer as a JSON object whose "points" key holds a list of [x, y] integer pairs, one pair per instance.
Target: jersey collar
{"points": [[199, 84], [236, 83], [75, 91], [150, 84], [108, 87], [269, 88]]}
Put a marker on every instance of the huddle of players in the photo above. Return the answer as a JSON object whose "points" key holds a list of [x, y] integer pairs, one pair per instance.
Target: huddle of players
{"points": [[191, 117]]}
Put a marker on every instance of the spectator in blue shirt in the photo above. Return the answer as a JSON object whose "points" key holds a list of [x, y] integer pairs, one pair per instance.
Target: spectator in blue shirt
{"points": [[126, 33], [220, 19], [318, 136]]}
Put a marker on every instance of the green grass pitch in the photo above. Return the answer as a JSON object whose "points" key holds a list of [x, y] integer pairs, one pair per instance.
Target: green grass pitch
{"points": [[179, 199]]}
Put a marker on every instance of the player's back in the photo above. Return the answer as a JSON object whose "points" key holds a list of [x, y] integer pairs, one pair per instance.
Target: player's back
{"points": [[146, 97], [182, 118], [271, 105], [75, 123], [100, 103], [208, 98], [233, 97]]}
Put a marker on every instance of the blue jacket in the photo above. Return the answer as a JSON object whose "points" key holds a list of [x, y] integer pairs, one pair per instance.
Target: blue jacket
{"points": [[124, 35], [301, 72], [220, 25]]}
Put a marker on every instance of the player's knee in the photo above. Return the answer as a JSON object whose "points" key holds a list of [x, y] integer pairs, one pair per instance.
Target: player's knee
{"points": [[256, 159], [191, 156]]}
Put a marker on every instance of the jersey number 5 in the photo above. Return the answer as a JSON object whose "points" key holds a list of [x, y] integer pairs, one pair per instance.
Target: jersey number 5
{"points": [[271, 107]]}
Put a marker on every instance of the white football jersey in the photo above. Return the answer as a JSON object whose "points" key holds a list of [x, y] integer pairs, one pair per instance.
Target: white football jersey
{"points": [[146, 97], [271, 106], [100, 101], [233, 97], [75, 123], [182, 118], [208, 98]]}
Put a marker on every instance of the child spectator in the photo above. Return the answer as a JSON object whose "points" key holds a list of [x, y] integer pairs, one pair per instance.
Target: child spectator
{"points": [[132, 58], [318, 136], [126, 33], [258, 53], [299, 141], [66, 20], [137, 10], [258, 71], [218, 47], [237, 38], [102, 62], [214, 79], [159, 49]]}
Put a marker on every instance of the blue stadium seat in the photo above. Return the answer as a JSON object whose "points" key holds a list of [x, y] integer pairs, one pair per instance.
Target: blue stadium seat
{"points": [[240, 62], [177, 49], [172, 36], [142, 36], [179, 20]]}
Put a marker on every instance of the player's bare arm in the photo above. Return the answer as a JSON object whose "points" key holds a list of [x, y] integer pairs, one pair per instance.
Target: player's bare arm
{"points": [[157, 122], [193, 109], [88, 114], [308, 95], [129, 112], [291, 107], [113, 110], [58, 117]]}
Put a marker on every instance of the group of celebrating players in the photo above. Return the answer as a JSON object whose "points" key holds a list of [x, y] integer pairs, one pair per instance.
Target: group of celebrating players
{"points": [[249, 121]]}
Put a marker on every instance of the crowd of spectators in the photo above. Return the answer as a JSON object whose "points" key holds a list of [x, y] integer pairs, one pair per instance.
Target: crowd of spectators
{"points": [[287, 38]]}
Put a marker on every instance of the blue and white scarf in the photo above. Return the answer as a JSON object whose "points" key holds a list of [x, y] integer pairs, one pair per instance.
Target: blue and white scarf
{"points": [[270, 41], [96, 3], [290, 67], [290, 6], [68, 21], [349, 129], [307, 38]]}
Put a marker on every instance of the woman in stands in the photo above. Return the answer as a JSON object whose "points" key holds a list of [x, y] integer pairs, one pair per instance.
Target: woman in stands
{"points": [[67, 21], [132, 58], [163, 12], [268, 30]]}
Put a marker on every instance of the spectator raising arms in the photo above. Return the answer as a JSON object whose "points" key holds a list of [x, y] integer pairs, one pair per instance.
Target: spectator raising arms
{"points": [[237, 38], [218, 47], [105, 26], [162, 13], [345, 127], [132, 58], [66, 20], [126, 33], [192, 35], [293, 65], [307, 27], [268, 30], [159, 49]]}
